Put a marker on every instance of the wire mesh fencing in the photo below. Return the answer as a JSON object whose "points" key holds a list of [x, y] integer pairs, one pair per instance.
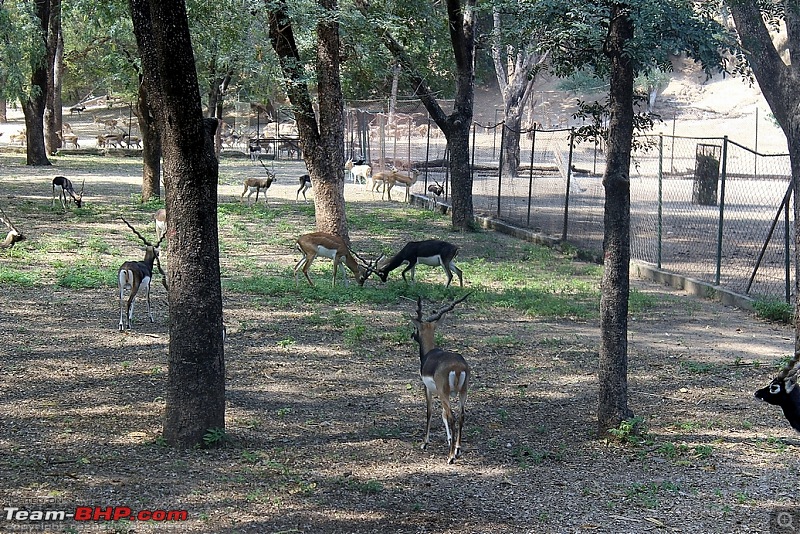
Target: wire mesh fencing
{"points": [[706, 208]]}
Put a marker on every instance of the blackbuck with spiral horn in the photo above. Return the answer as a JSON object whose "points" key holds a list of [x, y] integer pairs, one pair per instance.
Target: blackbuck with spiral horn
{"points": [[431, 252], [332, 247], [783, 392], [64, 187], [136, 276], [444, 374], [256, 185], [13, 236]]}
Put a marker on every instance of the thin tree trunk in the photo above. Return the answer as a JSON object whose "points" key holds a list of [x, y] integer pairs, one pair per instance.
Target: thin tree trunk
{"points": [[52, 114], [613, 363], [151, 147], [33, 106]]}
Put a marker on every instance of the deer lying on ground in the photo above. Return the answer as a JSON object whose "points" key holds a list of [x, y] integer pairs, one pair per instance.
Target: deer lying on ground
{"points": [[305, 185], [255, 185], [332, 247], [64, 187], [431, 252], [13, 236], [444, 374], [783, 392], [136, 276]]}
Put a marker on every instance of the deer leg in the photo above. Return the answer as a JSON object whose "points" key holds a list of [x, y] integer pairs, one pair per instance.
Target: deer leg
{"points": [[123, 309], [134, 290], [412, 265], [146, 284], [428, 399], [306, 267], [458, 271], [462, 401]]}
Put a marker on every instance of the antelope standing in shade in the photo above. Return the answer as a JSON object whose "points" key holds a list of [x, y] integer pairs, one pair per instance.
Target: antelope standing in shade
{"points": [[136, 276], [64, 187], [444, 373], [305, 185]]}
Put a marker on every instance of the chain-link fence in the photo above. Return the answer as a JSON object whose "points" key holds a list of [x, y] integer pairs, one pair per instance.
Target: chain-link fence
{"points": [[707, 208]]}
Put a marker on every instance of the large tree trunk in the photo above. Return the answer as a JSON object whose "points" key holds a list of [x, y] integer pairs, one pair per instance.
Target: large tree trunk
{"points": [[195, 396], [613, 365], [780, 84], [323, 143], [151, 147], [456, 126], [33, 106]]}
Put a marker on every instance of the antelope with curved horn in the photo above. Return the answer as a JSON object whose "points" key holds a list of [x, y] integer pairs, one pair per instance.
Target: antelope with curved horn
{"points": [[430, 252], [333, 247], [136, 275], [783, 392], [64, 187], [14, 236], [444, 373], [255, 185]]}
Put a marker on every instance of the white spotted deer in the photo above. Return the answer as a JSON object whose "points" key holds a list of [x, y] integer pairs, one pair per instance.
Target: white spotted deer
{"points": [[430, 252], [13, 236], [136, 276], [332, 247], [783, 392], [64, 187], [444, 374]]}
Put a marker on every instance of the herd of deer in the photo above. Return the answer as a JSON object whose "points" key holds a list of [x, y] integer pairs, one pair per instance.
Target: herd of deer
{"points": [[444, 373]]}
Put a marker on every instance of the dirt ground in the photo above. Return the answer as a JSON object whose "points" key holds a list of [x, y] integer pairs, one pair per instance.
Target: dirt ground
{"points": [[324, 428]]}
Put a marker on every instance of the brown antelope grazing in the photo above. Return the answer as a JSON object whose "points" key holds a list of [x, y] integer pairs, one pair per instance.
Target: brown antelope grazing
{"points": [[255, 185], [431, 252], [160, 218], [444, 374], [358, 171], [135, 276], [64, 188], [14, 236], [402, 179], [305, 185], [332, 247]]}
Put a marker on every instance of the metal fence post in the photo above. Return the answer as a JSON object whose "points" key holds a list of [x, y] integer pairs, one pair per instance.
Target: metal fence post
{"points": [[530, 176], [569, 177], [723, 175], [472, 165], [500, 168], [660, 195]]}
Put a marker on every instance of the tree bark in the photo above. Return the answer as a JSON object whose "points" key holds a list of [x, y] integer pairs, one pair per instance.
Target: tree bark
{"points": [[52, 113], [613, 364], [780, 84], [195, 399], [33, 105], [322, 143], [151, 146]]}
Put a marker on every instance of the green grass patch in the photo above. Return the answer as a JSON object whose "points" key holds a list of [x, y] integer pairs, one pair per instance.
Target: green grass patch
{"points": [[14, 277], [83, 275], [774, 310]]}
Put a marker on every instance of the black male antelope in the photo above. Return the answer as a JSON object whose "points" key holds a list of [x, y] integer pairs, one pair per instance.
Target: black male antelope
{"points": [[136, 276], [305, 185], [13, 236], [431, 252], [256, 185], [64, 188], [332, 247], [444, 374], [783, 392]]}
